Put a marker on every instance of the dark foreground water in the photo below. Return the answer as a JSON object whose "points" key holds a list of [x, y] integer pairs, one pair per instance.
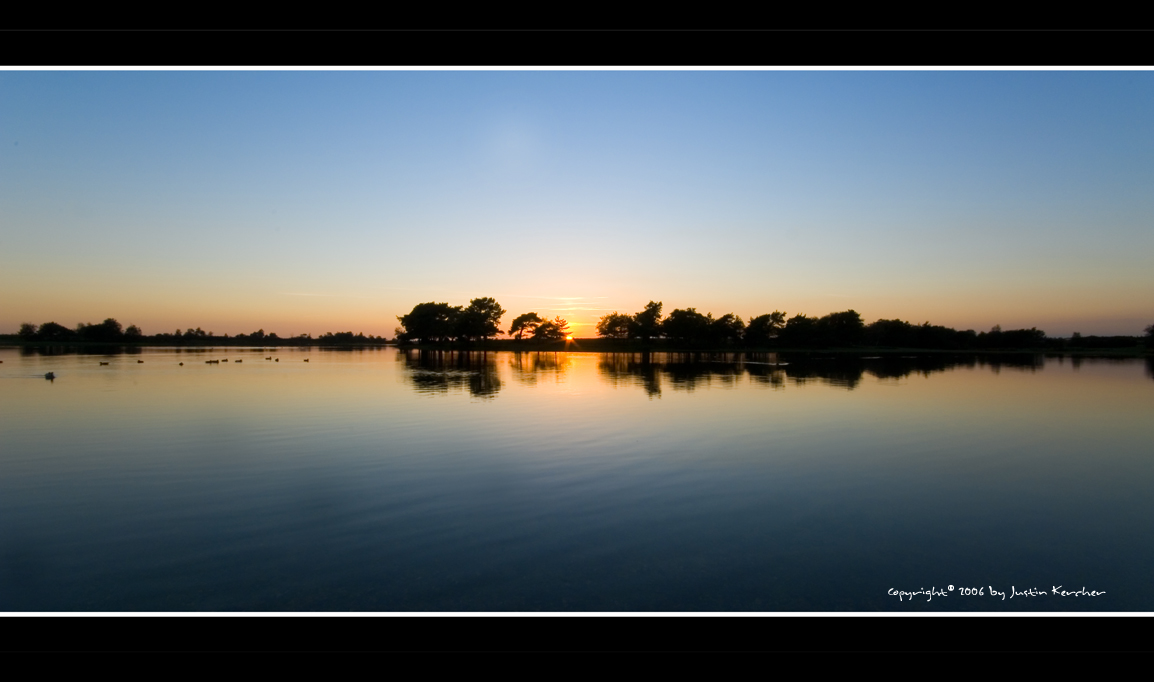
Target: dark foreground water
{"points": [[384, 481]]}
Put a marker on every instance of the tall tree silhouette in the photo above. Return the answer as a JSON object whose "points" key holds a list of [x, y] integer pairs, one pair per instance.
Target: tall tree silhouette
{"points": [[841, 329], [764, 329], [728, 329], [686, 325], [108, 330], [429, 322], [615, 325], [479, 320], [799, 332], [524, 323], [551, 330], [647, 323]]}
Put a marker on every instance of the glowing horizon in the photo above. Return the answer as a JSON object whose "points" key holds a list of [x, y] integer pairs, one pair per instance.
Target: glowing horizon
{"points": [[310, 202]]}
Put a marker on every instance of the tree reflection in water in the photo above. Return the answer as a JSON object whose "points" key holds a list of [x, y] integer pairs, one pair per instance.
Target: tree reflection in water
{"points": [[528, 367], [444, 371], [629, 369], [687, 371], [478, 371]]}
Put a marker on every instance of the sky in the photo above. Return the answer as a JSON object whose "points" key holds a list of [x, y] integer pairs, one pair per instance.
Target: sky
{"points": [[314, 201]]}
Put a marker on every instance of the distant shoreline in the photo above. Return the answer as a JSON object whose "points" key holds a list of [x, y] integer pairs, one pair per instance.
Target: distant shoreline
{"points": [[581, 345]]}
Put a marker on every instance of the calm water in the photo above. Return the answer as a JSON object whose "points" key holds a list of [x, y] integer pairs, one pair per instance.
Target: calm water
{"points": [[388, 481]]}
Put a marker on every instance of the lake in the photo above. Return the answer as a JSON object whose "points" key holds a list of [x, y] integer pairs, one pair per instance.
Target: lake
{"points": [[386, 480]]}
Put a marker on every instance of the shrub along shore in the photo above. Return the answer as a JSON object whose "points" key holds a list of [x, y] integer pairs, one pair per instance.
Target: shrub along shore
{"points": [[110, 332]]}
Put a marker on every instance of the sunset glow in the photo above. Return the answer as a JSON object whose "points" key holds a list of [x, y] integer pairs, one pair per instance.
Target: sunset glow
{"points": [[325, 201]]}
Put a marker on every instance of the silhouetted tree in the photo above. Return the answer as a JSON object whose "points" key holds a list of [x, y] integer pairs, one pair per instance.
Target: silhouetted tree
{"points": [[727, 329], [763, 329], [480, 320], [551, 330], [647, 323], [901, 334], [338, 338], [686, 325], [1014, 338], [106, 331], [133, 333], [1079, 341], [615, 325], [524, 323], [890, 334], [50, 331], [1150, 333], [27, 331], [840, 329], [799, 332], [430, 322]]}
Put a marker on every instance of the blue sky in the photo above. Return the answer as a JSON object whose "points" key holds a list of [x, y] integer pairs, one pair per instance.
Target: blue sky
{"points": [[317, 201]]}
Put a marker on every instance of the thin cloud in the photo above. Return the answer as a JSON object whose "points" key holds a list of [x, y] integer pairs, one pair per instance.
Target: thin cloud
{"points": [[311, 295]]}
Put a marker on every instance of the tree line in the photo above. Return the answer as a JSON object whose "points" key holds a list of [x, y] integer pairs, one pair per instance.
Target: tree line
{"points": [[686, 328], [480, 320], [111, 331], [846, 329]]}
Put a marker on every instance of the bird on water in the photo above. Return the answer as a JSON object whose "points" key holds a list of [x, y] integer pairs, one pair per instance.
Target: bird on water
{"points": [[50, 376]]}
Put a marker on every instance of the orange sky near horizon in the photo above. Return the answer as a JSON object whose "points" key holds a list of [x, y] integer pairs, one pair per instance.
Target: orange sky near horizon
{"points": [[227, 310]]}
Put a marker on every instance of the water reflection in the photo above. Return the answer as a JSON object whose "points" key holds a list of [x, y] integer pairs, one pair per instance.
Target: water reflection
{"points": [[112, 349], [688, 371], [445, 371], [480, 372], [342, 485], [33, 351], [528, 367], [629, 369]]}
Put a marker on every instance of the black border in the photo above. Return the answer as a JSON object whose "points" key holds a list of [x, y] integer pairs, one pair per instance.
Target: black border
{"points": [[575, 48], [594, 634]]}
